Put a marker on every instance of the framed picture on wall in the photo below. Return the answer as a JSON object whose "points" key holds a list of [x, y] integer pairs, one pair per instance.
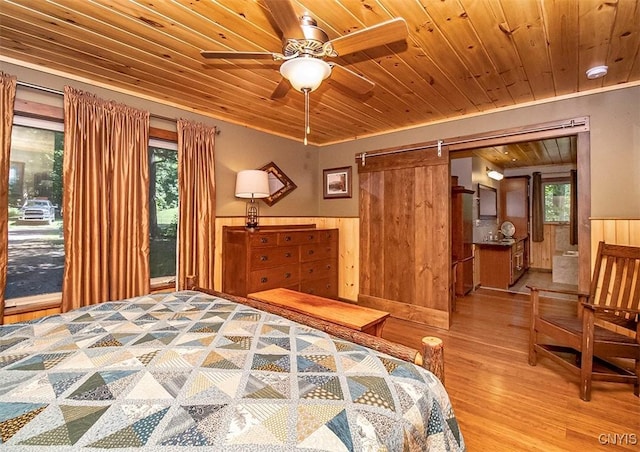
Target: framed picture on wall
{"points": [[337, 182]]}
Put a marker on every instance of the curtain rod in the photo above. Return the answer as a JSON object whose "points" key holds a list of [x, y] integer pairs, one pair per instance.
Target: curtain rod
{"points": [[61, 93], [438, 144]]}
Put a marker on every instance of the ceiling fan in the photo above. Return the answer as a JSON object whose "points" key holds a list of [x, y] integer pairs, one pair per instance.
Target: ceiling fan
{"points": [[305, 47]]}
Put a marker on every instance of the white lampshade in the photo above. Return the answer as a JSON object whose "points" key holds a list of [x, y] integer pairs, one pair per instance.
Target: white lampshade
{"points": [[252, 183], [305, 73]]}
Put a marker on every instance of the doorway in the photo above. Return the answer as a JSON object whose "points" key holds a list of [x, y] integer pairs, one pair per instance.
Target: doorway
{"points": [[553, 151]]}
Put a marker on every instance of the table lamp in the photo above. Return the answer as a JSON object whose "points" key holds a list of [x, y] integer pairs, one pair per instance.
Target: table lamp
{"points": [[252, 184]]}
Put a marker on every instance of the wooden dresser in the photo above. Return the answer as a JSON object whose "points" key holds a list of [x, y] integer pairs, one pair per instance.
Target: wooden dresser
{"points": [[300, 258]]}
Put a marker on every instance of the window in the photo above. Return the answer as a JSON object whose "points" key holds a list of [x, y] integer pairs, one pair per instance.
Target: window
{"points": [[163, 208], [557, 201], [36, 243]]}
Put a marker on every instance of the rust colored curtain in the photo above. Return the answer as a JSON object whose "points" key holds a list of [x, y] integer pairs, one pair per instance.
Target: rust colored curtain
{"points": [[7, 100], [197, 194], [537, 209], [106, 201], [573, 213]]}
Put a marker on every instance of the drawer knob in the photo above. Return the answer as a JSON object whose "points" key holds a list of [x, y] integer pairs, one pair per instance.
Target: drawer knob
{"points": [[287, 254], [287, 238], [264, 279], [311, 236], [264, 258], [287, 275], [311, 270], [329, 267], [263, 240], [310, 252]]}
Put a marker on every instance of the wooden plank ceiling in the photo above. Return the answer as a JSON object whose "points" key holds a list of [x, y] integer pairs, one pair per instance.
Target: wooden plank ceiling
{"points": [[461, 57]]}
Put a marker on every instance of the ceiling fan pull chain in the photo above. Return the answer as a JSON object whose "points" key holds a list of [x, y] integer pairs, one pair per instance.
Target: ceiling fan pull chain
{"points": [[307, 127]]}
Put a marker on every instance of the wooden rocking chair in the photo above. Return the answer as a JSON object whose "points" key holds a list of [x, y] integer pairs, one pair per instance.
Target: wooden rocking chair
{"points": [[605, 332]]}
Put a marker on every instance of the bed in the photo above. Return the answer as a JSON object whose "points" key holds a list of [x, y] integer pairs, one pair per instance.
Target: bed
{"points": [[186, 370]]}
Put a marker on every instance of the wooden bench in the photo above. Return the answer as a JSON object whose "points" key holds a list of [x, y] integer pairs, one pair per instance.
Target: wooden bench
{"points": [[430, 356], [359, 318]]}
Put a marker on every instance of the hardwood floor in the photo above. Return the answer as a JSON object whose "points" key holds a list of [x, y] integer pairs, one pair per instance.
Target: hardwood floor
{"points": [[501, 402]]}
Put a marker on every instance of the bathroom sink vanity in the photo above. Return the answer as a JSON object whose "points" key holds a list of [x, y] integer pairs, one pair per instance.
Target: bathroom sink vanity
{"points": [[503, 262]]}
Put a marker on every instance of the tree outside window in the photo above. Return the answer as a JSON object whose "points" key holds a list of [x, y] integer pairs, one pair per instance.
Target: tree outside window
{"points": [[557, 201], [36, 242], [163, 208]]}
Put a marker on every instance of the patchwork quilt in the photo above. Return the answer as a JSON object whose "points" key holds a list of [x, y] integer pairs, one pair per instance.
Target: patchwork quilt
{"points": [[189, 371]]}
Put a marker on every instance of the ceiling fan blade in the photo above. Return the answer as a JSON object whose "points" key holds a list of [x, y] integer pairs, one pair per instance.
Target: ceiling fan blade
{"points": [[383, 33], [281, 90], [238, 55], [285, 18], [348, 78]]}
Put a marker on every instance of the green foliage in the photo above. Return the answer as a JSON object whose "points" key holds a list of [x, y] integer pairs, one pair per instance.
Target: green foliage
{"points": [[56, 173], [557, 202], [166, 173]]}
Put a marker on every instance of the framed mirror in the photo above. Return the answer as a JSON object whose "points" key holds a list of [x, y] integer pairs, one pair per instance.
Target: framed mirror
{"points": [[279, 184], [487, 202]]}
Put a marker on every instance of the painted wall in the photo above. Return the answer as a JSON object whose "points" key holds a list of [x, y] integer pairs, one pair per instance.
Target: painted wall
{"points": [[237, 147], [615, 146]]}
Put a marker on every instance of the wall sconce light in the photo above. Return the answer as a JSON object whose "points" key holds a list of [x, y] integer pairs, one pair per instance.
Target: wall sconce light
{"points": [[252, 184], [495, 175]]}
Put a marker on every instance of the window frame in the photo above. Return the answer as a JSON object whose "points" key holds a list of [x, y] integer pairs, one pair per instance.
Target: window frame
{"points": [[40, 111], [52, 124], [554, 181], [168, 281]]}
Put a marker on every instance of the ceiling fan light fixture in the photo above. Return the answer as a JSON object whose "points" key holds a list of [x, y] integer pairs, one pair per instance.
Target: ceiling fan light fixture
{"points": [[305, 73]]}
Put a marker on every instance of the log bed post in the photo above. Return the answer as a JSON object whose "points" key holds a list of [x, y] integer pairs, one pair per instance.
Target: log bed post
{"points": [[433, 356], [430, 357]]}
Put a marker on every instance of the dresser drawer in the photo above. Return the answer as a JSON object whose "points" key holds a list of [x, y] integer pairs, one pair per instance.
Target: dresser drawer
{"points": [[519, 246], [297, 237], [270, 278], [318, 269], [279, 256], [328, 236], [257, 239], [321, 287], [317, 251], [272, 257]]}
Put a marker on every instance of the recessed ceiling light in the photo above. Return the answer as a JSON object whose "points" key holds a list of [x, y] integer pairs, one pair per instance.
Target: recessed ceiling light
{"points": [[597, 72]]}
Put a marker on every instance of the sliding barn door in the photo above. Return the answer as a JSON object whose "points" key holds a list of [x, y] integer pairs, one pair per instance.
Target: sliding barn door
{"points": [[405, 264]]}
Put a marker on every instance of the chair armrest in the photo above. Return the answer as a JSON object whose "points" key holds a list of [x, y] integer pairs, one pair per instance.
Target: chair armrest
{"points": [[595, 307], [567, 292]]}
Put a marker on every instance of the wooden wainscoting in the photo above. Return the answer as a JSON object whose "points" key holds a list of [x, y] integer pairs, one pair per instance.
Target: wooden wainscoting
{"points": [[541, 254], [621, 231], [348, 247]]}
